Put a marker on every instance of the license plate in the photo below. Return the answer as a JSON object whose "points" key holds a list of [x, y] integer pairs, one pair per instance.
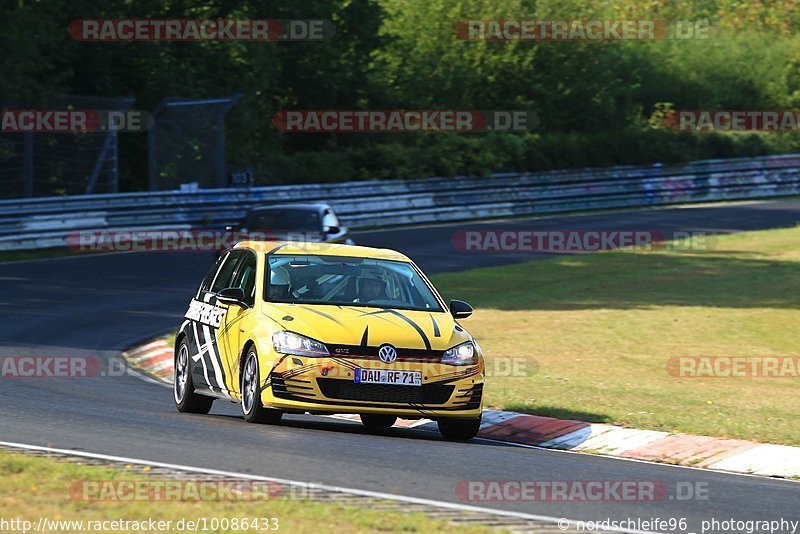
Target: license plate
{"points": [[387, 376]]}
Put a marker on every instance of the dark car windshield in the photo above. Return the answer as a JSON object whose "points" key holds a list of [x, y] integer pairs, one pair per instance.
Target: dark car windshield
{"points": [[340, 280], [283, 219]]}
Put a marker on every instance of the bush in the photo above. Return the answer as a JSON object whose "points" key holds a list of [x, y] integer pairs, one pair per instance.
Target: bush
{"points": [[479, 154]]}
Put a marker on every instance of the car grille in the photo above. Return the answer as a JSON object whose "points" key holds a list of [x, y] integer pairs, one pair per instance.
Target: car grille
{"points": [[469, 398], [279, 386], [346, 390], [294, 388]]}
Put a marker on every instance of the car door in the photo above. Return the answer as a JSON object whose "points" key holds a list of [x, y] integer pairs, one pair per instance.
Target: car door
{"points": [[236, 323], [207, 318]]}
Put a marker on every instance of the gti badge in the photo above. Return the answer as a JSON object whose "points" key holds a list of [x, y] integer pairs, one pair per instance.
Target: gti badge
{"points": [[387, 353]]}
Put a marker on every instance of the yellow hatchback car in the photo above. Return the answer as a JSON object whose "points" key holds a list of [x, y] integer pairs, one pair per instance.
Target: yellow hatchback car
{"points": [[328, 328]]}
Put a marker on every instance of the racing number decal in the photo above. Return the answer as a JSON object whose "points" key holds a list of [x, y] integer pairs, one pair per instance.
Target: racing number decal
{"points": [[204, 318], [216, 339], [204, 313]]}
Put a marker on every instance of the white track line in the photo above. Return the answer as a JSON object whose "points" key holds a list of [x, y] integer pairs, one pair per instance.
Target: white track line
{"points": [[365, 493], [141, 376], [166, 383]]}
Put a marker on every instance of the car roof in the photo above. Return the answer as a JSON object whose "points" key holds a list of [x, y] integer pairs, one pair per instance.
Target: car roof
{"points": [[322, 249], [305, 206]]}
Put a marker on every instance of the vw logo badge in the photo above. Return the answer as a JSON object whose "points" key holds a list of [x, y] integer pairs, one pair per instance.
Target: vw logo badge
{"points": [[387, 353]]}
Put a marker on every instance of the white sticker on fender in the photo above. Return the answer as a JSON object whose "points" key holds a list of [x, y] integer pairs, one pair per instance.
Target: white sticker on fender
{"points": [[204, 313]]}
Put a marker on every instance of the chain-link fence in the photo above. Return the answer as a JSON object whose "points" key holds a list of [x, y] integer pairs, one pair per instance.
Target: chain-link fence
{"points": [[47, 163], [186, 144]]}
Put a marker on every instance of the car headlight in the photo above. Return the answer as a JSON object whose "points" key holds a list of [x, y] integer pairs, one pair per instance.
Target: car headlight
{"points": [[463, 354], [291, 343]]}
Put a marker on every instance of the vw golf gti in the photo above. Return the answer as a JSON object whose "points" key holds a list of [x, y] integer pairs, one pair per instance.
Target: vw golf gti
{"points": [[328, 328]]}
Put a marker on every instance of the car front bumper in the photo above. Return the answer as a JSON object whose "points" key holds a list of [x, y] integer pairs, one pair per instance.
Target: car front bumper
{"points": [[326, 385]]}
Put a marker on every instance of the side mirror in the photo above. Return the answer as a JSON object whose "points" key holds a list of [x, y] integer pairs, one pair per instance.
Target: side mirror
{"points": [[232, 295], [332, 229], [460, 309]]}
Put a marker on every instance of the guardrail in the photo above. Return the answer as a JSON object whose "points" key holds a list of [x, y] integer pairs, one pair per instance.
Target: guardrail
{"points": [[46, 222]]}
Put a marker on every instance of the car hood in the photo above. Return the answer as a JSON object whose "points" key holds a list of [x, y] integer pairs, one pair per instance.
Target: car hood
{"points": [[351, 325]]}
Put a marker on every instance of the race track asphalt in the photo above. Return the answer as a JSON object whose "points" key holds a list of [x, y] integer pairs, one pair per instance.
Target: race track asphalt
{"points": [[98, 305]]}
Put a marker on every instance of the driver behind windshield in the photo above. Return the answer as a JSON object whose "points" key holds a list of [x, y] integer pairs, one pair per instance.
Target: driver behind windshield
{"points": [[371, 287], [279, 284]]}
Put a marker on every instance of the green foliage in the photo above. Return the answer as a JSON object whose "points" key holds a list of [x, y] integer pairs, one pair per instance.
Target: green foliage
{"points": [[599, 103], [455, 155]]}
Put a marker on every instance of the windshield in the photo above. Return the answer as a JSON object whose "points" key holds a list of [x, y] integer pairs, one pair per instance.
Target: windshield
{"points": [[339, 280], [283, 219]]}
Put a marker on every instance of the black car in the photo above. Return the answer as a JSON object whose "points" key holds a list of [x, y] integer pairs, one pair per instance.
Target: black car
{"points": [[312, 222]]}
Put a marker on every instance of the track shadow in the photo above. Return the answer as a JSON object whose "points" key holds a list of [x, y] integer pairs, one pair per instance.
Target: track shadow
{"points": [[558, 412], [327, 424]]}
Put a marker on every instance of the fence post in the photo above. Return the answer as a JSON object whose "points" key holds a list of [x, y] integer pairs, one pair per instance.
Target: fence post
{"points": [[221, 179], [152, 170], [28, 164]]}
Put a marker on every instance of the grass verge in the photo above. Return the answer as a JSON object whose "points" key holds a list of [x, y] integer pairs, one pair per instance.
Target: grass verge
{"points": [[35, 487], [25, 255], [591, 335]]}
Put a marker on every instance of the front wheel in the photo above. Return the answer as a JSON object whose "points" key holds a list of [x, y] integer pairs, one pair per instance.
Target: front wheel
{"points": [[252, 408], [186, 400], [459, 429]]}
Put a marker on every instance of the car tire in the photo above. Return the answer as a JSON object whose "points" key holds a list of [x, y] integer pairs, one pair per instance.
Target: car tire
{"points": [[252, 408], [374, 421], [186, 399], [459, 429]]}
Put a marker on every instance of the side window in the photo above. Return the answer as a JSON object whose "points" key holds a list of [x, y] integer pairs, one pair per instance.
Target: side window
{"points": [[206, 285], [245, 277], [225, 273]]}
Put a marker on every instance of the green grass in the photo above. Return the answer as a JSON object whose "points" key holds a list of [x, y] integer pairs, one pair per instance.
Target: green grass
{"points": [[24, 255], [35, 487], [594, 333]]}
